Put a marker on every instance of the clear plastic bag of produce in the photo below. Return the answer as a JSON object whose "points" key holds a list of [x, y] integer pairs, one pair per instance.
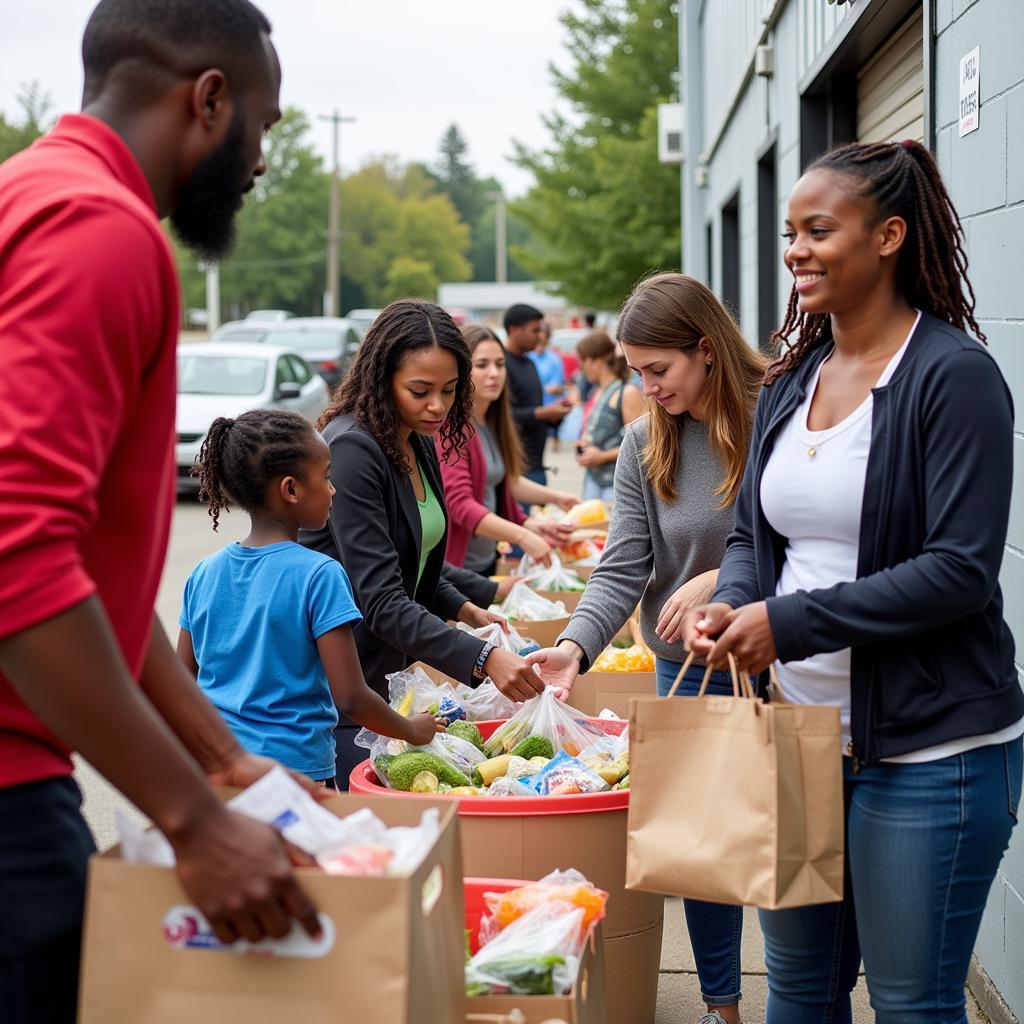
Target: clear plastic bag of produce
{"points": [[609, 758], [582, 552], [508, 639], [550, 577], [538, 954], [447, 758], [565, 775], [524, 605], [570, 885], [544, 716]]}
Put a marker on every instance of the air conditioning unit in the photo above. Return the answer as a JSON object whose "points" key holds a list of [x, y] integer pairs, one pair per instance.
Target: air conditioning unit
{"points": [[670, 133]]}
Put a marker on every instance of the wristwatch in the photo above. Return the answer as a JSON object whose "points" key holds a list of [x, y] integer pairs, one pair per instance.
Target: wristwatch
{"points": [[481, 659]]}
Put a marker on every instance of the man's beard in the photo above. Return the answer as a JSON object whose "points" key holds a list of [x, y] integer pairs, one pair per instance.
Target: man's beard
{"points": [[204, 218]]}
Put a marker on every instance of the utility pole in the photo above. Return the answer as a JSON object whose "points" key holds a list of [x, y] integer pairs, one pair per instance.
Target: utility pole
{"points": [[332, 283], [500, 240], [212, 296]]}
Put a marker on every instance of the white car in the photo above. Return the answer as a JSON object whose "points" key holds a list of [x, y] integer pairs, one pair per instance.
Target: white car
{"points": [[231, 377], [268, 316]]}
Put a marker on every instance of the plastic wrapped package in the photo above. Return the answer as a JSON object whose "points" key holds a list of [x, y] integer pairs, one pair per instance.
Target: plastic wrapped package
{"points": [[570, 886], [525, 605], [564, 775], [544, 715], [538, 954], [508, 639], [583, 552], [624, 659], [587, 513], [553, 577]]}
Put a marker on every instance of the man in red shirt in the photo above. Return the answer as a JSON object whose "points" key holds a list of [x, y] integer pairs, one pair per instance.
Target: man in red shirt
{"points": [[178, 94]]}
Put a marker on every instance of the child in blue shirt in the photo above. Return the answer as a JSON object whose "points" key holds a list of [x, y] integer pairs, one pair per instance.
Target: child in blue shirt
{"points": [[266, 623]]}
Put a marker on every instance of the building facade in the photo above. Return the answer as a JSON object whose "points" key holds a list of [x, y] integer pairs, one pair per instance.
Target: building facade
{"points": [[770, 84]]}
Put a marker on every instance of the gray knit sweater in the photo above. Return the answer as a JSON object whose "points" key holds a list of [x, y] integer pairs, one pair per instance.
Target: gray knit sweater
{"points": [[653, 547]]}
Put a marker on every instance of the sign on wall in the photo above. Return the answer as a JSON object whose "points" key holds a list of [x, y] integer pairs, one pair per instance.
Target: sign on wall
{"points": [[970, 97]]}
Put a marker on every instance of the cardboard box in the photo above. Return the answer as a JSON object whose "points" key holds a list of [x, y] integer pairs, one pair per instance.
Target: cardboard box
{"points": [[570, 598], [594, 691], [397, 945], [585, 1004], [509, 567], [545, 632]]}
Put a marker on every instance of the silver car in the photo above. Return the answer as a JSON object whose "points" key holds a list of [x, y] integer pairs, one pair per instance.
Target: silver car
{"points": [[231, 377], [328, 342]]}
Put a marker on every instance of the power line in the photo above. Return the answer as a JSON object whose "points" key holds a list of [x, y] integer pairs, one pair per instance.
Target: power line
{"points": [[287, 261]]}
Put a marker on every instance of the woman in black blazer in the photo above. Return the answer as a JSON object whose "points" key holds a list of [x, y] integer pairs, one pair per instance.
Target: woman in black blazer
{"points": [[410, 380]]}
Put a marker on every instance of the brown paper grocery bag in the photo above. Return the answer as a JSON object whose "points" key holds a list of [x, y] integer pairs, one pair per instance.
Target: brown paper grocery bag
{"points": [[392, 948], [735, 801]]}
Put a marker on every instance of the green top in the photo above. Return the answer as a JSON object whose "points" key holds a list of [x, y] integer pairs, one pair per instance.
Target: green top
{"points": [[431, 523]]}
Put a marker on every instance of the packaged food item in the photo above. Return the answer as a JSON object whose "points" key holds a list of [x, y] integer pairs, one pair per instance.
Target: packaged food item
{"points": [[570, 886], [450, 708], [545, 716], [564, 775], [629, 659], [588, 512], [524, 605]]}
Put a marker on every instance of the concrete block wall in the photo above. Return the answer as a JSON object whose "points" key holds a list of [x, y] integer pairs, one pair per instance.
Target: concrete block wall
{"points": [[985, 174]]}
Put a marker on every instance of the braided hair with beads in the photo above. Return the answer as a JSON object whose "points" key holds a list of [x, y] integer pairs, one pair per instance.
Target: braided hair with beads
{"points": [[900, 179], [240, 457]]}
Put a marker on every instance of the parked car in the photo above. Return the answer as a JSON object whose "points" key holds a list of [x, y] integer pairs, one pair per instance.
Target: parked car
{"points": [[269, 316], [329, 343], [362, 318], [242, 330], [564, 342], [231, 377]]}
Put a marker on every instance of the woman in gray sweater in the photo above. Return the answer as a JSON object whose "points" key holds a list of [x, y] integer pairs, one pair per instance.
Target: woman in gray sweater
{"points": [[678, 472]]}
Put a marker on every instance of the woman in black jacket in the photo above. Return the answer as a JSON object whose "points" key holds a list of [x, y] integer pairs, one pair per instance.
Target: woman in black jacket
{"points": [[865, 559], [388, 524]]}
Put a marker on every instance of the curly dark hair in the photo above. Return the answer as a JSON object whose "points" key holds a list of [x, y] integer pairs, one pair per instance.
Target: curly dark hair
{"points": [[901, 179], [365, 393], [240, 457]]}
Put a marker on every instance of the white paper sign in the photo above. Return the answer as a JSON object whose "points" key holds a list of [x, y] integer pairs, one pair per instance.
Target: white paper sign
{"points": [[970, 97]]}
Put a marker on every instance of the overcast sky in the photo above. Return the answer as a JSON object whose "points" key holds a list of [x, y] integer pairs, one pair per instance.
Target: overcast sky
{"points": [[404, 68]]}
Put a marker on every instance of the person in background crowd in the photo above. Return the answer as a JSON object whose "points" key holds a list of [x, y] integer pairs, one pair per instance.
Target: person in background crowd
{"points": [[614, 404], [178, 95], [266, 624], [865, 564], [483, 481], [531, 415], [551, 369], [678, 473], [410, 381]]}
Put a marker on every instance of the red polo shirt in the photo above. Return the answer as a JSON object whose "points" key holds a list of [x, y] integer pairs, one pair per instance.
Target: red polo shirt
{"points": [[88, 325]]}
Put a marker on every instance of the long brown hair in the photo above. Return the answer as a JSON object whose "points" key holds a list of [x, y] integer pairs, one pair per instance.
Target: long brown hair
{"points": [[599, 345], [499, 414], [900, 179], [365, 392], [676, 311]]}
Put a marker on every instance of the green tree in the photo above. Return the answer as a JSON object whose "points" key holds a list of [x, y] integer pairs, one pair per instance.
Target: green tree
{"points": [[457, 179], [388, 212], [409, 277], [604, 210], [35, 119]]}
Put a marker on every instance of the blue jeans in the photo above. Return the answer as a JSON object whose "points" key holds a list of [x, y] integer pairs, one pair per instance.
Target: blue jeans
{"points": [[715, 928], [923, 842]]}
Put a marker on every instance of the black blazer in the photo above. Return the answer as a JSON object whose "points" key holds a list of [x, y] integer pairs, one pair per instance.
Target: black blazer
{"points": [[374, 531]]}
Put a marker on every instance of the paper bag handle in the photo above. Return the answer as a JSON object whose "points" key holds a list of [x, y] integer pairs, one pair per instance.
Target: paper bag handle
{"points": [[741, 685]]}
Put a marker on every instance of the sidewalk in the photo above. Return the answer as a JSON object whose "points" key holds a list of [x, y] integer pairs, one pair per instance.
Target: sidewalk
{"points": [[679, 999]]}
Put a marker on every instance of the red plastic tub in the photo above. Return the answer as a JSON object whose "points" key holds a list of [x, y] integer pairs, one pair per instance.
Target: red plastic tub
{"points": [[528, 837], [364, 780]]}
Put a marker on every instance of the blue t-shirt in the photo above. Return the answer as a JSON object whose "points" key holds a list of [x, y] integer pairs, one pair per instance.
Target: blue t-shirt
{"points": [[551, 370], [255, 615]]}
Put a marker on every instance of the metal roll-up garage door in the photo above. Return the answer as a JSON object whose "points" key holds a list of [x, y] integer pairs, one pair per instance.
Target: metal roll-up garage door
{"points": [[890, 87]]}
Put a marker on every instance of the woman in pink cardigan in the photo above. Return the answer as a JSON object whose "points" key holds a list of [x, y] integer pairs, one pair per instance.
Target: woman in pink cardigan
{"points": [[483, 482]]}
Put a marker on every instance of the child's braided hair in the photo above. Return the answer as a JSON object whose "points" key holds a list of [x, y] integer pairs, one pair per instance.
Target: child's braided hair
{"points": [[240, 457], [901, 179]]}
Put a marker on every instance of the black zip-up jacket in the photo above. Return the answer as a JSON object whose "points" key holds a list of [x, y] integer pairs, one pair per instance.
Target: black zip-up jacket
{"points": [[932, 659]]}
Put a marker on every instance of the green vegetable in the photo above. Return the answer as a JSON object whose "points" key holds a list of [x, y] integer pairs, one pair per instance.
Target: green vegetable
{"points": [[623, 784], [521, 975], [381, 766], [534, 746], [444, 787], [402, 771], [503, 739], [467, 731], [476, 778]]}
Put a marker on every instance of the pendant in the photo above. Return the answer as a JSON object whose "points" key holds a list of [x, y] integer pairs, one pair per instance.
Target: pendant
{"points": [[811, 452]]}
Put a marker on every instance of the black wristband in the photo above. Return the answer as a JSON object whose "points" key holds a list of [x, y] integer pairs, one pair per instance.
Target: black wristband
{"points": [[481, 659]]}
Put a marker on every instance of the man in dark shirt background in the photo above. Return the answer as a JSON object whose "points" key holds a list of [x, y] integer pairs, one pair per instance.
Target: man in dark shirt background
{"points": [[532, 416]]}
